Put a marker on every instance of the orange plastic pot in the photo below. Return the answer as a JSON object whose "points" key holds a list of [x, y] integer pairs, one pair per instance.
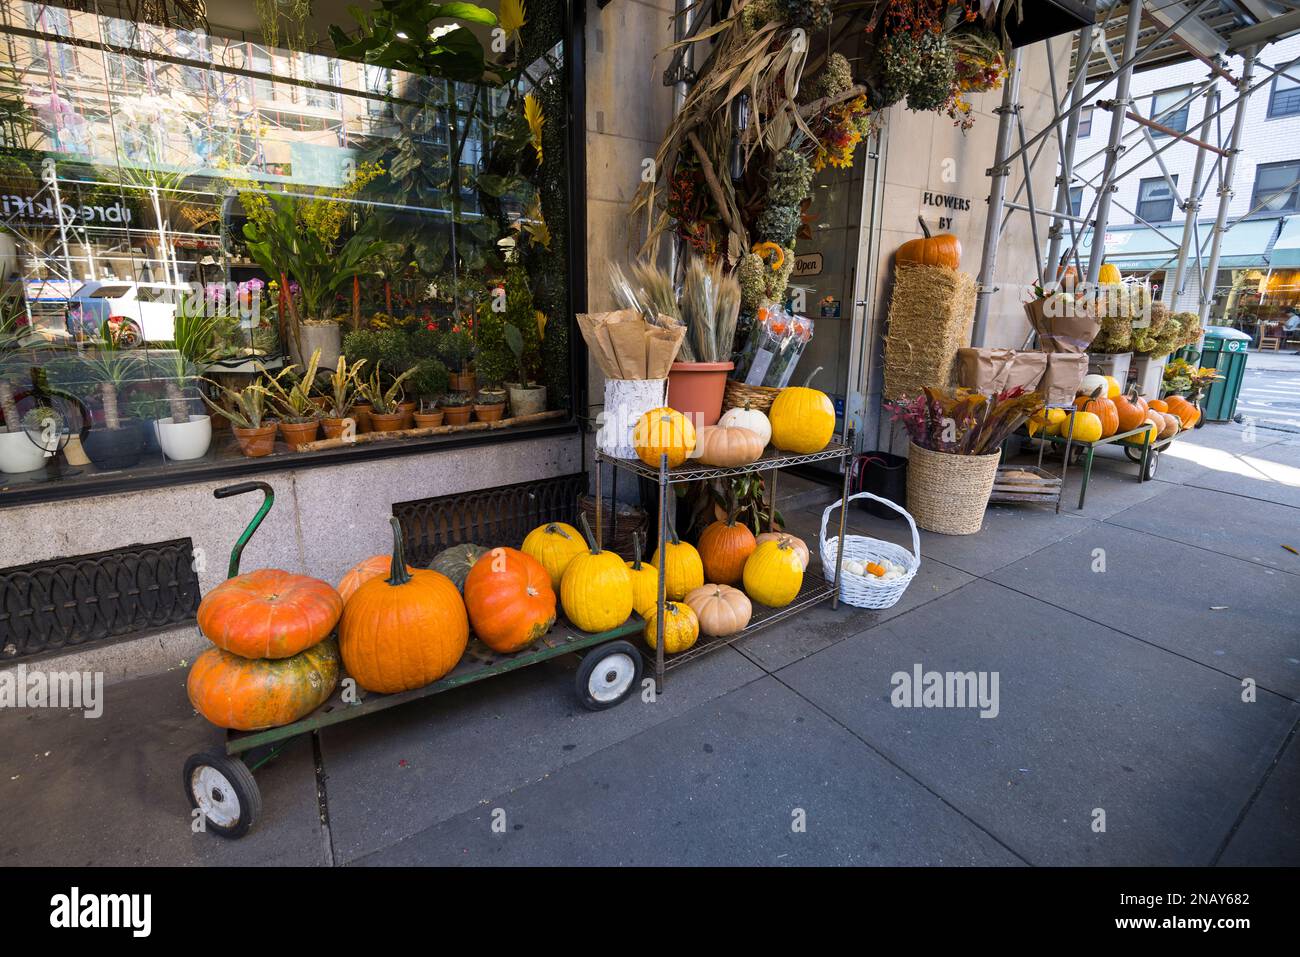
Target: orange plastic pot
{"points": [[695, 389]]}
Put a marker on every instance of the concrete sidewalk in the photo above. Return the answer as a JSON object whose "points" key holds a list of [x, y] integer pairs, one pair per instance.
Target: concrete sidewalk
{"points": [[1120, 636]]}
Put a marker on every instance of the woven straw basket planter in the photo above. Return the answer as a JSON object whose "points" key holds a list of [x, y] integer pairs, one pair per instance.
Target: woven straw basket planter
{"points": [[948, 493]]}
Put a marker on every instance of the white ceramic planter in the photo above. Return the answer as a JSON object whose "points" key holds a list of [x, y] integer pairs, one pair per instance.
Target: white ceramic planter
{"points": [[182, 441], [18, 453]]}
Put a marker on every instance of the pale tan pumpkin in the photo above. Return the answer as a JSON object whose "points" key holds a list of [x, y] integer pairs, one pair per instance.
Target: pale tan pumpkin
{"points": [[798, 544], [721, 609], [728, 446]]}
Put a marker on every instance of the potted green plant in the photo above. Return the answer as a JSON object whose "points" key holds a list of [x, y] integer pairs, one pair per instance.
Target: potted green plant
{"points": [[457, 351], [526, 396], [182, 436], [344, 386], [245, 409], [457, 407], [18, 453], [384, 397], [299, 415], [428, 381], [489, 407], [116, 444]]}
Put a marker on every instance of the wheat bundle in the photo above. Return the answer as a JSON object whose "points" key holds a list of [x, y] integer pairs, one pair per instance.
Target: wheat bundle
{"points": [[930, 315]]}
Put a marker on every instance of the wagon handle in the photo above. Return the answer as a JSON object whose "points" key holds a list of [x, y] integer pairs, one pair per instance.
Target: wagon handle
{"points": [[268, 499]]}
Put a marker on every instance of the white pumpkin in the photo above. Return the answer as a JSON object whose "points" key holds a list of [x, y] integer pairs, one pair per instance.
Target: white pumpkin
{"points": [[747, 418], [1092, 382]]}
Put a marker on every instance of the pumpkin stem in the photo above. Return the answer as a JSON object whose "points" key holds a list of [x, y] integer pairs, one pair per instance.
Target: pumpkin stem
{"points": [[807, 383], [397, 573], [924, 228], [586, 530], [554, 529], [636, 550], [672, 526]]}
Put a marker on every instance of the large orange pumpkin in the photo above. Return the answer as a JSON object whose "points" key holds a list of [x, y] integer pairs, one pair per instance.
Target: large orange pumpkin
{"points": [[269, 613], [1188, 414], [724, 549], [248, 694], [1128, 412], [403, 631], [1104, 409], [510, 600], [942, 250], [376, 566]]}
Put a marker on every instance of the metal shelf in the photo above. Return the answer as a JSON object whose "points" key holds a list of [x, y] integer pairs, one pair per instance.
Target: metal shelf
{"points": [[694, 472]]}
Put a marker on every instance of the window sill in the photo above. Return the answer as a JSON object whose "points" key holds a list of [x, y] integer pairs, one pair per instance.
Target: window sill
{"points": [[38, 487]]}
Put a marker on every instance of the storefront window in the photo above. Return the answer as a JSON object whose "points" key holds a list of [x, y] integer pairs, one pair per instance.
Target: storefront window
{"points": [[178, 240]]}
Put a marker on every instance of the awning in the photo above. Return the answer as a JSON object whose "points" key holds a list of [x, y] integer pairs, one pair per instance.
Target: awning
{"points": [[1286, 251], [1247, 244]]}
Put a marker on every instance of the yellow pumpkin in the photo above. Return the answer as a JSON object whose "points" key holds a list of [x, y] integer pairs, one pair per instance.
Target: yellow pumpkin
{"points": [[645, 581], [554, 545], [681, 627], [1112, 387], [798, 544], [682, 565], [1109, 275], [1083, 426], [1150, 434], [773, 574], [663, 431], [596, 590], [803, 419], [728, 446], [721, 609]]}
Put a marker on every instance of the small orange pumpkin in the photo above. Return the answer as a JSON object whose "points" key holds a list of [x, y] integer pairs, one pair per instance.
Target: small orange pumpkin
{"points": [[510, 600], [1157, 405], [1128, 413], [269, 613], [1104, 409], [943, 250], [1188, 414], [724, 549], [373, 567]]}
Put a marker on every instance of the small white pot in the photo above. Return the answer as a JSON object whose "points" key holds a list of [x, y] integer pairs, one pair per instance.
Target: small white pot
{"points": [[18, 453], [182, 441]]}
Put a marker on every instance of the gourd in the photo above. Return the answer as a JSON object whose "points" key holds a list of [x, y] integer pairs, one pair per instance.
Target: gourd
{"points": [[941, 250], [682, 565], [456, 561], [596, 591], [1109, 275], [373, 567], [1188, 414], [509, 598], [554, 544], [403, 631], [681, 627], [803, 419], [269, 613], [661, 431], [773, 574], [728, 446], [1105, 411], [1170, 427], [249, 694], [798, 544], [746, 418], [1092, 382], [1083, 426], [725, 546], [645, 581], [1128, 413], [720, 609]]}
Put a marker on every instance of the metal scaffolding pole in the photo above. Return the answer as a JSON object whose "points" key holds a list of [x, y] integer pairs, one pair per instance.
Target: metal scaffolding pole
{"points": [[1055, 231], [1210, 279], [998, 172], [1192, 207], [1133, 28]]}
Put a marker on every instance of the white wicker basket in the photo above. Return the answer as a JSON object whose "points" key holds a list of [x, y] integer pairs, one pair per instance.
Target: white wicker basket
{"points": [[868, 591]]}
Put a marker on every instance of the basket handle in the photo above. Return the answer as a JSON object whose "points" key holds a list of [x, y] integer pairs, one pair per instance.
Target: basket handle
{"points": [[916, 536]]}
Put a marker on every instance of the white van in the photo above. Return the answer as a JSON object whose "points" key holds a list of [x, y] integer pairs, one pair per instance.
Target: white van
{"points": [[142, 311]]}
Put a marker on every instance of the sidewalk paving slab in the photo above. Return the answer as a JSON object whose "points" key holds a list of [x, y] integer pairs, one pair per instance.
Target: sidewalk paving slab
{"points": [[1271, 474], [717, 785], [400, 771], [1164, 592], [1270, 831], [108, 790], [1223, 523], [1088, 719]]}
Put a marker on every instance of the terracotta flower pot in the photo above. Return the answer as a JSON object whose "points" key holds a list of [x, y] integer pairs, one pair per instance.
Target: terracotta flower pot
{"points": [[385, 422], [489, 413], [458, 414], [426, 420], [255, 443], [463, 382], [335, 427], [298, 433], [361, 412], [407, 409], [695, 389]]}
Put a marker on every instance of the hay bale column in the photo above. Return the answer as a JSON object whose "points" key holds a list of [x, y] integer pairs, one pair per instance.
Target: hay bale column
{"points": [[930, 314]]}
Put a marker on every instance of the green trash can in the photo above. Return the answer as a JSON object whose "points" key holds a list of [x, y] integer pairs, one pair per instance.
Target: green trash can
{"points": [[1225, 351]]}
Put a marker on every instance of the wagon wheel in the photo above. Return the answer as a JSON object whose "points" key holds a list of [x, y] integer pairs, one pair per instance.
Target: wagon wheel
{"points": [[608, 675], [223, 788], [1153, 463], [1132, 454]]}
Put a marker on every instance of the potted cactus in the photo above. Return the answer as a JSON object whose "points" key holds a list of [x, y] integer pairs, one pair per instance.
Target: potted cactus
{"points": [[246, 410], [344, 388], [457, 407], [299, 414], [489, 406], [384, 398]]}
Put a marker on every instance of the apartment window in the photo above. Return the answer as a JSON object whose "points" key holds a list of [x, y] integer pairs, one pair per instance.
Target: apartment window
{"points": [[52, 20], [1276, 187], [1076, 200], [378, 80], [125, 72], [1085, 121], [322, 69], [1284, 100], [259, 60], [1166, 100], [1155, 200]]}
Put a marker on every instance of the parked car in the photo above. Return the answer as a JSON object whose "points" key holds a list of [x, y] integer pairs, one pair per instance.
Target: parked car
{"points": [[137, 312]]}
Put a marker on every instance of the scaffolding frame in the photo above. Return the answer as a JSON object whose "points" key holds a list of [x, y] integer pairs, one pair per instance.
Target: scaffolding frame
{"points": [[1238, 29]]}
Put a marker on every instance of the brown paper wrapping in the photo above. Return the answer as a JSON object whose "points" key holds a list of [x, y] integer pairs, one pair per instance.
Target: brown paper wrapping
{"points": [[993, 370], [1062, 330], [1064, 376], [625, 346]]}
